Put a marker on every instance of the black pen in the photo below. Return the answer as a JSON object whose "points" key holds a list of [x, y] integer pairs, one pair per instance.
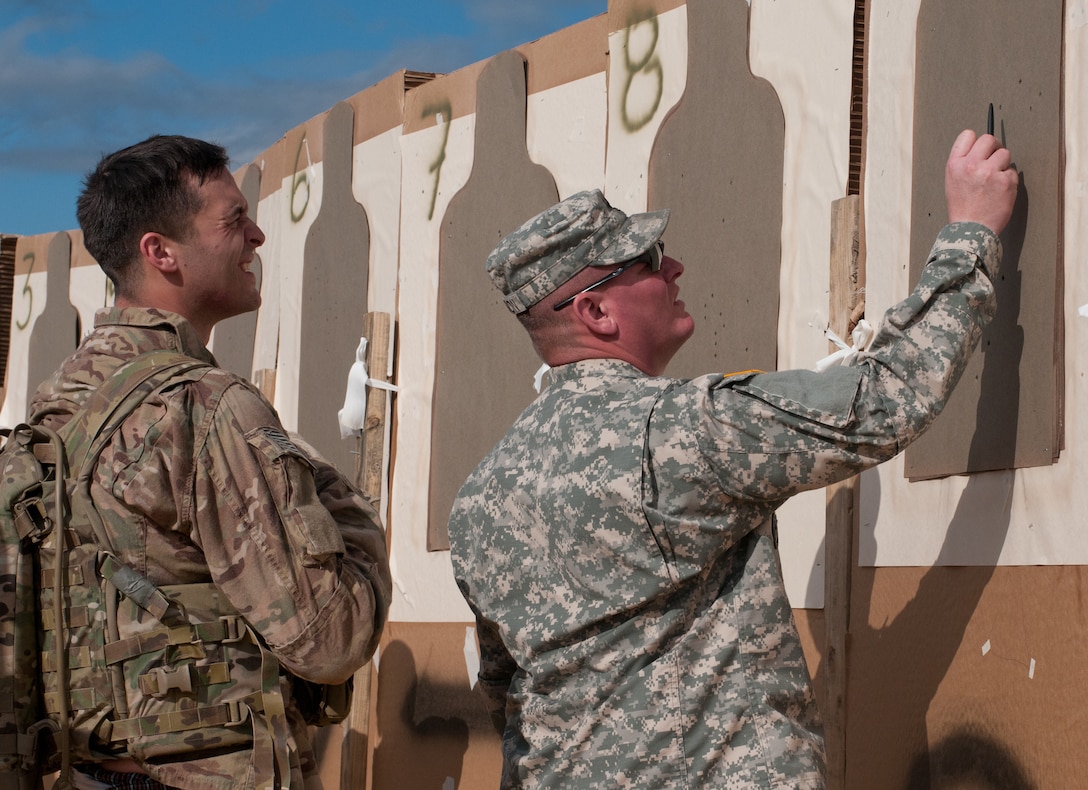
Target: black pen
{"points": [[990, 119]]}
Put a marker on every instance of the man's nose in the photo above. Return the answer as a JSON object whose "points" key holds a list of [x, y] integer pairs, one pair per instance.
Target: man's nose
{"points": [[256, 235]]}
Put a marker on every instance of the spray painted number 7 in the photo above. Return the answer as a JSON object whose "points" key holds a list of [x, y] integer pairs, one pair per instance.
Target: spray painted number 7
{"points": [[444, 114]]}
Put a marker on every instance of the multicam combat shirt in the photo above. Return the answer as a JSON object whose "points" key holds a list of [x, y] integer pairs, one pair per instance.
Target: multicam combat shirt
{"points": [[616, 548], [215, 491]]}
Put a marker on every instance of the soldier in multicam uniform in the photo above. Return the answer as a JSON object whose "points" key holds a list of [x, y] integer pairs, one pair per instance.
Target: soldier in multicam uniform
{"points": [[204, 474], [617, 545]]}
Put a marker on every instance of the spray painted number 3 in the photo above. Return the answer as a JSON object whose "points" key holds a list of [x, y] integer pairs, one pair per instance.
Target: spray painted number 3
{"points": [[646, 63]]}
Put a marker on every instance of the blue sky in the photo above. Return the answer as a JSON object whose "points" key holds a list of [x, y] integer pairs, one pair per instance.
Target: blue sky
{"points": [[79, 78]]}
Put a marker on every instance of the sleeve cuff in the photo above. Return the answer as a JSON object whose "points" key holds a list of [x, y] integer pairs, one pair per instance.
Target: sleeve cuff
{"points": [[973, 238]]}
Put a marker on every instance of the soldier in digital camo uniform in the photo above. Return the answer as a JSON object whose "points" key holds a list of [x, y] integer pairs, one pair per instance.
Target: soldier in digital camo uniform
{"points": [[209, 484], [616, 546]]}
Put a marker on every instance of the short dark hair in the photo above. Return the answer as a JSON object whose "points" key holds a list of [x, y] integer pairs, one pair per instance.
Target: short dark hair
{"points": [[145, 187]]}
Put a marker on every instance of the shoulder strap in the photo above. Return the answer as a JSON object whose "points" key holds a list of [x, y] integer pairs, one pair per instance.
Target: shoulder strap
{"points": [[130, 385], [87, 434]]}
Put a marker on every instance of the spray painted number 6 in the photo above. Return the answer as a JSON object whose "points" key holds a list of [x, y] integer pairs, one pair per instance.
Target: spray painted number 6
{"points": [[299, 179], [648, 63]]}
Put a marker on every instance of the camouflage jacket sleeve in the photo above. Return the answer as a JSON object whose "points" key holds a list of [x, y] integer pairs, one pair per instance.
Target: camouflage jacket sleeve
{"points": [[789, 431], [291, 543], [497, 666]]}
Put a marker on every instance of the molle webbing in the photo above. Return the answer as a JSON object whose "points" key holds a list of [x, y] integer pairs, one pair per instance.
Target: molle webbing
{"points": [[180, 654]]}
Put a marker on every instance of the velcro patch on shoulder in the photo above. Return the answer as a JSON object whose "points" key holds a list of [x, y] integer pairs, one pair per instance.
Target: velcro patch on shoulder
{"points": [[279, 441], [740, 375]]}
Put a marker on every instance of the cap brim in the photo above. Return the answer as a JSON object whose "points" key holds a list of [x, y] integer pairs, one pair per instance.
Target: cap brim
{"points": [[638, 234]]}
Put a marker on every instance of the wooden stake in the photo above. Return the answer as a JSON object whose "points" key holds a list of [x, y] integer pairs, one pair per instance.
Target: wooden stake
{"points": [[841, 499], [370, 460], [265, 380], [368, 477]]}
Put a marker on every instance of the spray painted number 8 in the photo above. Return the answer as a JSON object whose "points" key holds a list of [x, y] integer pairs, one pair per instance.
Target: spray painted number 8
{"points": [[648, 63]]}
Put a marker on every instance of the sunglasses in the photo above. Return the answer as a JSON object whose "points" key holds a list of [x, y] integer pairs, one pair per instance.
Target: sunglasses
{"points": [[652, 256]]}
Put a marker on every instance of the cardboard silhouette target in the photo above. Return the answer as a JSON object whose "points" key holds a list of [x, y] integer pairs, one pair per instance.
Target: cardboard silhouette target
{"points": [[484, 360], [336, 265], [1016, 371], [56, 331], [717, 165]]}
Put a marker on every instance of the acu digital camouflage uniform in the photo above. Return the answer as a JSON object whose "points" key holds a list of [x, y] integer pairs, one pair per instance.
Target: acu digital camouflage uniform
{"points": [[210, 489], [616, 547]]}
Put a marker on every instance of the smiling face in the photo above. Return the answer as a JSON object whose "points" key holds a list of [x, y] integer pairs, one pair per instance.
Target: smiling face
{"points": [[214, 258]]}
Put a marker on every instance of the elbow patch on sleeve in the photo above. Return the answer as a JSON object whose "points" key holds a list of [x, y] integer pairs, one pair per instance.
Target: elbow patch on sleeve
{"points": [[289, 476]]}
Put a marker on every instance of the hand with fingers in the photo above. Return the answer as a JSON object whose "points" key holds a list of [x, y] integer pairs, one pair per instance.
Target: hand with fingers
{"points": [[980, 182]]}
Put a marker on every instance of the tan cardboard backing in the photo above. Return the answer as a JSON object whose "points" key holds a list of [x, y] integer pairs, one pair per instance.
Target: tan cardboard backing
{"points": [[625, 13], [552, 61], [290, 155], [967, 674], [440, 101], [80, 256], [380, 107], [430, 723]]}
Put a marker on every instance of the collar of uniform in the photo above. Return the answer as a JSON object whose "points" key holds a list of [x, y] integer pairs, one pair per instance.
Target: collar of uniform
{"points": [[594, 368], [184, 337]]}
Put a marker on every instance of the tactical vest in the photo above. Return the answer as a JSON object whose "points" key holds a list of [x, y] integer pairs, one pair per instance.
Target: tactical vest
{"points": [[115, 666]]}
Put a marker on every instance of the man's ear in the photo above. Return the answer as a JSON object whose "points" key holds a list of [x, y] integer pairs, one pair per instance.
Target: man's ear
{"points": [[592, 311], [158, 250]]}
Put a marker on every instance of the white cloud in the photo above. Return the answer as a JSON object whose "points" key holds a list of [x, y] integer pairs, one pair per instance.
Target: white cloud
{"points": [[76, 83]]}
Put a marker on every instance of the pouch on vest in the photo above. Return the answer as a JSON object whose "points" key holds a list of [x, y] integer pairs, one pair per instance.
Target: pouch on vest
{"points": [[27, 483]]}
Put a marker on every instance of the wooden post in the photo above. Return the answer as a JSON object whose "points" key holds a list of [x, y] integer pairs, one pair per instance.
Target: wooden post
{"points": [[368, 477], [369, 460], [841, 498], [265, 380]]}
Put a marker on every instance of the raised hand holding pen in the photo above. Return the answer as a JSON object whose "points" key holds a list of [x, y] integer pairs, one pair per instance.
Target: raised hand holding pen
{"points": [[980, 183]]}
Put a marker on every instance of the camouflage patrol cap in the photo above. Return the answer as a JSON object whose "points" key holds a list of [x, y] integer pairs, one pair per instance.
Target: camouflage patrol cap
{"points": [[583, 230]]}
